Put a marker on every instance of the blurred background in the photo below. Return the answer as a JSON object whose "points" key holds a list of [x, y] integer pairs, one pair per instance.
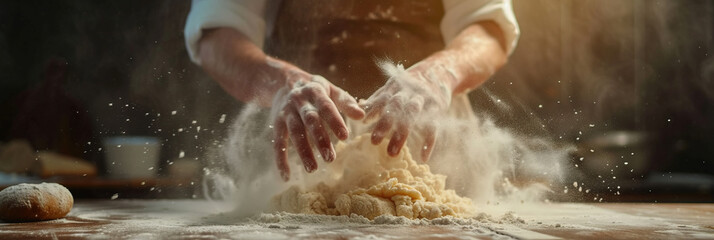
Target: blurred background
{"points": [[629, 83]]}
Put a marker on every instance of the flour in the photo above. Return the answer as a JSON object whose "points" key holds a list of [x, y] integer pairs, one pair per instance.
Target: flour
{"points": [[295, 220], [482, 162], [286, 220], [201, 219]]}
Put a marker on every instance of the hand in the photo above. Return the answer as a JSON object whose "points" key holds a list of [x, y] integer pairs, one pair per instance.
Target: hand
{"points": [[406, 100], [299, 111]]}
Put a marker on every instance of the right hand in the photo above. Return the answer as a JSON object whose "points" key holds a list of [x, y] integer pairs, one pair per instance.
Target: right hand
{"points": [[300, 109], [406, 103]]}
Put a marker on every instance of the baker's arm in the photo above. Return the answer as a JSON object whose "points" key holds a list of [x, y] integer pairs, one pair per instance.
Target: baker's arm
{"points": [[480, 35], [411, 97], [469, 60], [242, 68], [225, 38], [460, 14], [300, 101]]}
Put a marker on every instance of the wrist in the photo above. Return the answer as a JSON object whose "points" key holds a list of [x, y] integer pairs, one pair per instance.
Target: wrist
{"points": [[439, 69], [287, 73], [437, 74], [437, 79]]}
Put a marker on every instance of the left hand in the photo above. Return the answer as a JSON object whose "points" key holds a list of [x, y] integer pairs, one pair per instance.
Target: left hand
{"points": [[299, 110], [405, 103]]}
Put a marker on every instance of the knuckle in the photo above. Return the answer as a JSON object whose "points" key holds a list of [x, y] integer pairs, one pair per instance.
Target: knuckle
{"points": [[400, 96], [324, 105], [292, 121], [397, 101], [394, 109], [312, 117], [295, 91], [313, 89], [413, 106], [294, 97], [313, 85], [418, 101], [384, 124]]}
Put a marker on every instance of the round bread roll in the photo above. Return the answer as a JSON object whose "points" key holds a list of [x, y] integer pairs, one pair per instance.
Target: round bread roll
{"points": [[34, 202]]}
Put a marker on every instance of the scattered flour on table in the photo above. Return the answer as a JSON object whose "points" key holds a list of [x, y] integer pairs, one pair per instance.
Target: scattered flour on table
{"points": [[288, 220]]}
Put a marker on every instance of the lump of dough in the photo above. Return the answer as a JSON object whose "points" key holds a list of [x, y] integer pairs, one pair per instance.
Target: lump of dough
{"points": [[364, 205], [373, 183], [292, 200], [34, 202]]}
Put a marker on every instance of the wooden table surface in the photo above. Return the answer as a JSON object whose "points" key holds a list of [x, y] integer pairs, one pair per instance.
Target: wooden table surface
{"points": [[189, 219]]}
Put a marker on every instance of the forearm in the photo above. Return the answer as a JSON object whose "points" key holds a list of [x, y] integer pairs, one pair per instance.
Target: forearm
{"points": [[240, 67], [470, 59]]}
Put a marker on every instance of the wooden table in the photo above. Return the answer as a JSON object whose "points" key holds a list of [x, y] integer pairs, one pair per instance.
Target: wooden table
{"points": [[191, 219]]}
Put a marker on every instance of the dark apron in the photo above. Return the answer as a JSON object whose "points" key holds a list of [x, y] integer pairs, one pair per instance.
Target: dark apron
{"points": [[342, 39]]}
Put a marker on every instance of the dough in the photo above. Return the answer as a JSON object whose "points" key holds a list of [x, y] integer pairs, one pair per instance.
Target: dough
{"points": [[368, 182], [34, 202]]}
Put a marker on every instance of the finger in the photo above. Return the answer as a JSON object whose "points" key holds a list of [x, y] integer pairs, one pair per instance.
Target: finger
{"points": [[399, 137], [393, 110], [414, 107], [389, 87], [346, 103], [299, 138], [316, 93], [312, 121], [382, 128], [373, 108], [280, 145], [429, 141], [328, 113]]}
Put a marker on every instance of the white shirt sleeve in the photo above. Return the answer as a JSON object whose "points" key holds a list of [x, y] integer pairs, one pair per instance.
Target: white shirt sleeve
{"points": [[459, 14], [246, 16]]}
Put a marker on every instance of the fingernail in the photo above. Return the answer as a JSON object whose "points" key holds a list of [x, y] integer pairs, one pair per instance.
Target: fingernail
{"points": [[285, 176], [424, 156], [376, 138], [328, 154], [347, 133], [342, 135], [394, 150], [309, 167]]}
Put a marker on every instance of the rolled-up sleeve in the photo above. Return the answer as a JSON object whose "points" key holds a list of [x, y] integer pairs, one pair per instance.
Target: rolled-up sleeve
{"points": [[246, 16], [459, 14]]}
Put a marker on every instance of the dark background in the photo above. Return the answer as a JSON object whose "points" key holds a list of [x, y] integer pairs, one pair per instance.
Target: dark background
{"points": [[582, 69]]}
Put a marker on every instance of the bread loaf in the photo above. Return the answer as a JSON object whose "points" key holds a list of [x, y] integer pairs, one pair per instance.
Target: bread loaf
{"points": [[34, 202]]}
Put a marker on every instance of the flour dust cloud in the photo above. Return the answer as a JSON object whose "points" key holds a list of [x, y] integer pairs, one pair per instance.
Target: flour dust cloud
{"points": [[484, 162]]}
